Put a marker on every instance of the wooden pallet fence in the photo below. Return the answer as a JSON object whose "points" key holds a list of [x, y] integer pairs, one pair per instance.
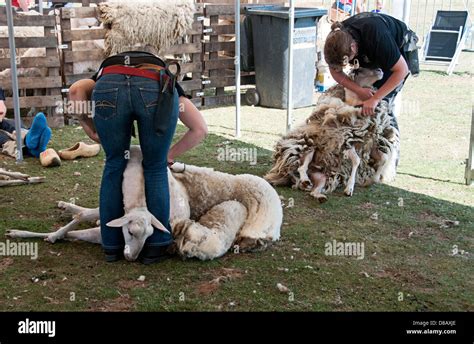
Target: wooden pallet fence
{"points": [[219, 52], [39, 73], [79, 50]]}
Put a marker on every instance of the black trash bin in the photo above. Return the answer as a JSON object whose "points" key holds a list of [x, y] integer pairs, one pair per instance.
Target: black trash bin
{"points": [[270, 26]]}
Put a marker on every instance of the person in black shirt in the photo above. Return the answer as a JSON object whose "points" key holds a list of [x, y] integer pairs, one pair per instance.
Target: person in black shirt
{"points": [[371, 40]]}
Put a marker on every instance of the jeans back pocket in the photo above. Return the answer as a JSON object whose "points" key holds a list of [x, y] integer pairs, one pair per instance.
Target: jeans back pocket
{"points": [[105, 103]]}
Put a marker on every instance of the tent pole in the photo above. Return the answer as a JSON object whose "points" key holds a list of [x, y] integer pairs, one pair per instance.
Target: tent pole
{"points": [[290, 66], [16, 101], [237, 68]]}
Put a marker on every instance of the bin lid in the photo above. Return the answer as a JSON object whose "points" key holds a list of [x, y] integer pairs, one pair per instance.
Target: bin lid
{"points": [[283, 12]]}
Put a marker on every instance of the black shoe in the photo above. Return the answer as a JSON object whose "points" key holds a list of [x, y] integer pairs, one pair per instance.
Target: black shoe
{"points": [[113, 255], [155, 254]]}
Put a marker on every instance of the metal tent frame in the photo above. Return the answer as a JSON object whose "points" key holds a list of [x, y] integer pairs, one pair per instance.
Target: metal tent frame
{"points": [[14, 76]]}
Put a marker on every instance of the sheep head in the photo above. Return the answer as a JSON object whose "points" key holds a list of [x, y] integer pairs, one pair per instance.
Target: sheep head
{"points": [[137, 226], [366, 77]]}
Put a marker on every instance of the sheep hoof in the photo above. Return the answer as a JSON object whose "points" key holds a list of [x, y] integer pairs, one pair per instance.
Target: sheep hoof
{"points": [[51, 239], [348, 192], [306, 185], [321, 199], [10, 233]]}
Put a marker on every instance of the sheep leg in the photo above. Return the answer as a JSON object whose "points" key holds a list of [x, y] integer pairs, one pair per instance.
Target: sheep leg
{"points": [[319, 180], [72, 208], [81, 215], [91, 235], [351, 154], [305, 182], [17, 234]]}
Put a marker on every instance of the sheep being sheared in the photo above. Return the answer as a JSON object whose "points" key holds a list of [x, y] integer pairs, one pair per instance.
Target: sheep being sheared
{"points": [[338, 145], [210, 212]]}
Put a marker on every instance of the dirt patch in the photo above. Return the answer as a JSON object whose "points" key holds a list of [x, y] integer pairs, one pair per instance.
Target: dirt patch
{"points": [[5, 263], [443, 223], [367, 205], [131, 284], [223, 275], [406, 277], [122, 303]]}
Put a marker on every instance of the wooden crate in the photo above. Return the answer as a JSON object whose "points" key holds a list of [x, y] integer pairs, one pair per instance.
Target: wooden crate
{"points": [[71, 37], [43, 93]]}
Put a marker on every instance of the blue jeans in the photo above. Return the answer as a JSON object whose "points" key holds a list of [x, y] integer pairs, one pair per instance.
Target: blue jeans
{"points": [[119, 100]]}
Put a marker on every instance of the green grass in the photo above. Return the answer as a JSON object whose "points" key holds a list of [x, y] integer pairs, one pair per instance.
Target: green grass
{"points": [[406, 250]]}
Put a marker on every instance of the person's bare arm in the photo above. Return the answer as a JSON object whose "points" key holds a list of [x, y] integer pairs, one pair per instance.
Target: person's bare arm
{"points": [[80, 93], [399, 72], [3, 110], [342, 79], [191, 118]]}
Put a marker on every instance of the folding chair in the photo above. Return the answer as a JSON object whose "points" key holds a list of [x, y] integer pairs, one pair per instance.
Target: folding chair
{"points": [[446, 39]]}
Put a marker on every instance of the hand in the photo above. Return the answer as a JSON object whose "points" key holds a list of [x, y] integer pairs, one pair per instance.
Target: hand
{"points": [[365, 93], [368, 107], [3, 110]]}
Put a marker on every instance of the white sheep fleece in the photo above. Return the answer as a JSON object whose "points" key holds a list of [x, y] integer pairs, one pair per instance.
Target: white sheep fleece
{"points": [[154, 23]]}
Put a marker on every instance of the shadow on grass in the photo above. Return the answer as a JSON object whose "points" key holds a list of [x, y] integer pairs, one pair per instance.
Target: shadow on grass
{"points": [[409, 262]]}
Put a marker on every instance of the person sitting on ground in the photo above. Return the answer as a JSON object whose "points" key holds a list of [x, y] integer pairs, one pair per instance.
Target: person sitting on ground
{"points": [[35, 139]]}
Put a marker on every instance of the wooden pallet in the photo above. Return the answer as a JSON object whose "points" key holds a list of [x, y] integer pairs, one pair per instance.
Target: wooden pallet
{"points": [[219, 56], [70, 56], [40, 93]]}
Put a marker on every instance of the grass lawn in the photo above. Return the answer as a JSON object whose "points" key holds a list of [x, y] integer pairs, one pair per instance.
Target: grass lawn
{"points": [[408, 264]]}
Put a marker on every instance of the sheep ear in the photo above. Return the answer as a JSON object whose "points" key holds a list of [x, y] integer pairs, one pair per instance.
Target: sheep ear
{"points": [[120, 222], [156, 223]]}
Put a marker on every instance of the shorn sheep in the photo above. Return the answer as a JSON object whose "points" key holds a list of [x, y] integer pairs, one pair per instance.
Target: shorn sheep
{"points": [[338, 145], [210, 213]]}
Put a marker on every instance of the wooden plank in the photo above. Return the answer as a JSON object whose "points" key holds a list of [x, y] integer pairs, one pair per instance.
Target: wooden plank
{"points": [[219, 100], [26, 20], [218, 10], [197, 102], [80, 12], [221, 63], [83, 35], [193, 67], [82, 56], [37, 101], [32, 62], [186, 48], [191, 85], [196, 29], [229, 81], [30, 42], [33, 83], [221, 30], [219, 46], [70, 79]]}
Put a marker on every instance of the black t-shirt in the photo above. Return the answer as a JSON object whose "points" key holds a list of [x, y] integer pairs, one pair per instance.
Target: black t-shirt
{"points": [[131, 58], [379, 37]]}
